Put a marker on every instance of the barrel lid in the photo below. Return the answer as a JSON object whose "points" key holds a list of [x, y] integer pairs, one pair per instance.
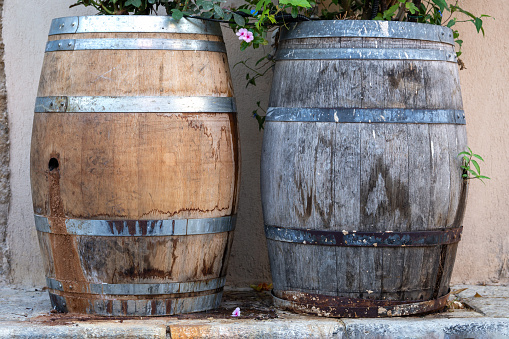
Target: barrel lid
{"points": [[132, 24], [368, 29]]}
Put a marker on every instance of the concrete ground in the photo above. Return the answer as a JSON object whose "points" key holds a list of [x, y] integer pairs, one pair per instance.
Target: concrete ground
{"points": [[475, 312]]}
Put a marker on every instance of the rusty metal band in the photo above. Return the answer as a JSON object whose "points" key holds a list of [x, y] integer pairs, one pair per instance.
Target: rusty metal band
{"points": [[368, 29], [142, 104], [330, 306], [367, 115], [365, 239], [136, 289], [135, 44], [139, 228], [139, 307], [132, 24], [365, 54]]}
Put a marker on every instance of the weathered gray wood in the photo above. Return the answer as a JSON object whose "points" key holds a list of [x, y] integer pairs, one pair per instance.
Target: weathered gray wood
{"points": [[394, 89], [447, 268], [268, 169], [347, 177], [278, 264], [347, 272], [326, 270], [382, 177], [374, 199], [370, 273], [417, 261], [373, 81], [396, 176], [440, 176]]}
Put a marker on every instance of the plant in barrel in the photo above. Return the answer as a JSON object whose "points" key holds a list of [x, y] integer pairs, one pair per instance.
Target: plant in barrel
{"points": [[134, 167], [362, 189]]}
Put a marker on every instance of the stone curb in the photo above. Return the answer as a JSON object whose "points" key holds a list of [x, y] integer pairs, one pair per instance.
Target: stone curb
{"points": [[103, 330], [25, 314], [489, 328]]}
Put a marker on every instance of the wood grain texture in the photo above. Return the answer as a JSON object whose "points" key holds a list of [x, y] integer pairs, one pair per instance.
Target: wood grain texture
{"points": [[135, 166], [382, 177]]}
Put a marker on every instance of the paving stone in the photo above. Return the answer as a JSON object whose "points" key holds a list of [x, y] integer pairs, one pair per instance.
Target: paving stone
{"points": [[25, 313], [485, 328]]}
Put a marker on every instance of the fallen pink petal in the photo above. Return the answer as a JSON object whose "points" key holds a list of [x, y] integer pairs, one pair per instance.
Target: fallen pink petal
{"points": [[236, 312]]}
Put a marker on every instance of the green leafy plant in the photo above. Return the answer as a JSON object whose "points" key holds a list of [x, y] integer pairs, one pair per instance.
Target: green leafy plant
{"points": [[471, 167], [119, 7]]}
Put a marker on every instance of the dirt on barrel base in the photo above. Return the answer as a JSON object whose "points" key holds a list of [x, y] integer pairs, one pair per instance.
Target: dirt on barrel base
{"points": [[253, 305]]}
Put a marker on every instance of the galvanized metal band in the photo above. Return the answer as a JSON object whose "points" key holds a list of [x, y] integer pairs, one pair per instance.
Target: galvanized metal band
{"points": [[141, 289], [331, 306], [140, 228], [365, 54], [132, 24], [135, 44], [367, 115], [145, 104], [365, 239], [368, 29], [151, 306]]}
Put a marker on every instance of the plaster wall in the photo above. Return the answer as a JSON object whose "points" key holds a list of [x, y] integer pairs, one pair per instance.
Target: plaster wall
{"points": [[484, 252]]}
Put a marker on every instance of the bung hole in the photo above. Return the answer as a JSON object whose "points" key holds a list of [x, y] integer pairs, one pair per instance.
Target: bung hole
{"points": [[53, 164]]}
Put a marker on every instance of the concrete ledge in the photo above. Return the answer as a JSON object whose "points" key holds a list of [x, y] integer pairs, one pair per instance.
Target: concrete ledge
{"points": [[26, 314], [103, 330]]}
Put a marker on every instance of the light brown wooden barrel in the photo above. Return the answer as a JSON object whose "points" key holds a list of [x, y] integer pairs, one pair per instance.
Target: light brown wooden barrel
{"points": [[135, 165], [362, 192]]}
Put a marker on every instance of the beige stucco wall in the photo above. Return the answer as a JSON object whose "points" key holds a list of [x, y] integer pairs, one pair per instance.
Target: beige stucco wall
{"points": [[484, 251]]}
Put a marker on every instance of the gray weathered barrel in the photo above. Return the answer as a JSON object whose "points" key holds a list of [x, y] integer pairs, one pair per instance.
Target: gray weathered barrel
{"points": [[135, 165], [362, 192]]}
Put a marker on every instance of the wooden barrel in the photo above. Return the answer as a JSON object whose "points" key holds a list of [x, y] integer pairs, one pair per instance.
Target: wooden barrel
{"points": [[135, 165], [362, 192]]}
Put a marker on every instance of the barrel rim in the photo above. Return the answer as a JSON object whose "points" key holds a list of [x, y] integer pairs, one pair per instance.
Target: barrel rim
{"points": [[132, 24], [368, 29]]}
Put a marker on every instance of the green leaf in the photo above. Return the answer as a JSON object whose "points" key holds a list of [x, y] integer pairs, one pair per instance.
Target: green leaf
{"points": [[411, 7], [135, 3], [476, 165], [484, 177], [390, 12], [176, 14], [478, 24], [463, 153], [207, 6], [295, 12], [219, 11], [299, 3], [243, 45], [260, 60], [244, 10], [451, 23], [478, 157], [239, 20], [442, 4], [472, 172]]}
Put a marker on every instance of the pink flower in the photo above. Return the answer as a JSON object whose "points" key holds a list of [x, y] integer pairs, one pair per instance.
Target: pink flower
{"points": [[249, 36], [236, 313], [245, 35]]}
